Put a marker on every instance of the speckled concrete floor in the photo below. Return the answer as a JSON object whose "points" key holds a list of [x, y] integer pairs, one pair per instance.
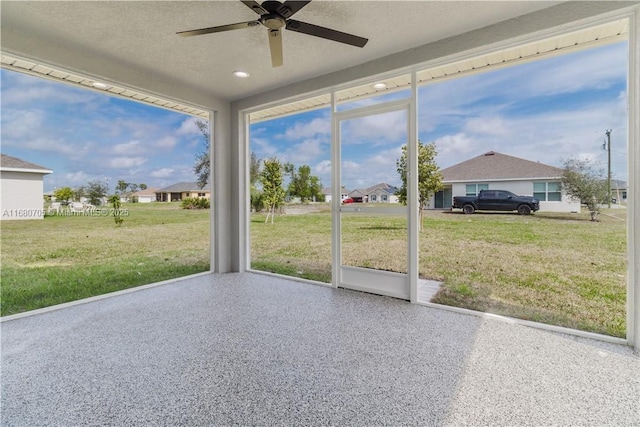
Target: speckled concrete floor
{"points": [[247, 349]]}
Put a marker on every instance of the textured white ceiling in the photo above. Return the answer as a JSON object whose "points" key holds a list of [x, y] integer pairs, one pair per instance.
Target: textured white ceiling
{"points": [[135, 41]]}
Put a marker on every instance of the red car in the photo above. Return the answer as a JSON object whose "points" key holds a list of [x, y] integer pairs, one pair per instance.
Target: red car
{"points": [[348, 200]]}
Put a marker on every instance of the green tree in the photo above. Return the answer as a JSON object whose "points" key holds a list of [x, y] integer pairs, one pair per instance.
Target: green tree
{"points": [[143, 186], [272, 191], [582, 182], [63, 194], [116, 205], [121, 187], [202, 167], [95, 191], [126, 189], [254, 168], [79, 193], [255, 194], [303, 184], [429, 176]]}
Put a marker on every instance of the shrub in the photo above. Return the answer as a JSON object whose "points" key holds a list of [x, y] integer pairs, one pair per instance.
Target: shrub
{"points": [[195, 203], [257, 203]]}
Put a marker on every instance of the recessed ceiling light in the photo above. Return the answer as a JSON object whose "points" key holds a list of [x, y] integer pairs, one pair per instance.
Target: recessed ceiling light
{"points": [[241, 74], [380, 86], [99, 85]]}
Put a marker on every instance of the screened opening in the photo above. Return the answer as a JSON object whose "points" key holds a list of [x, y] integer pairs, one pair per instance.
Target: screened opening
{"points": [[121, 207], [290, 195], [511, 123], [538, 130]]}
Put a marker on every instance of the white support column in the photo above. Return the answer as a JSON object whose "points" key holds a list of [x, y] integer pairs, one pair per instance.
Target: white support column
{"points": [[224, 224], [633, 190], [413, 201], [336, 193], [213, 236]]}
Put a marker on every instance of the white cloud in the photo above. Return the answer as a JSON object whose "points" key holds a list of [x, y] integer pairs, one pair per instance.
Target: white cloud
{"points": [[166, 142], [263, 148], [28, 91], [496, 126], [75, 179], [381, 129], [126, 162], [161, 173], [189, 127], [302, 130], [605, 66], [455, 148], [131, 147], [305, 152], [20, 123], [323, 167]]}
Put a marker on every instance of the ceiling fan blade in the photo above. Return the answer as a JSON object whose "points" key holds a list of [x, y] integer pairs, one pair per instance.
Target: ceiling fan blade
{"points": [[325, 33], [255, 6], [275, 45], [219, 29], [290, 7]]}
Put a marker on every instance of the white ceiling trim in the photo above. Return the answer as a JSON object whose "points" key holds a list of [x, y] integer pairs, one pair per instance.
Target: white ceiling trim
{"points": [[14, 63], [593, 36]]}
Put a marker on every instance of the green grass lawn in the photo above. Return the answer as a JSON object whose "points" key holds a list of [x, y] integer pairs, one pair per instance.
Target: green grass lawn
{"points": [[65, 258], [560, 269]]}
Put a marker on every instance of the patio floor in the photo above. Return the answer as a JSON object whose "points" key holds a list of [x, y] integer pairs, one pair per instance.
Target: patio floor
{"points": [[249, 349]]}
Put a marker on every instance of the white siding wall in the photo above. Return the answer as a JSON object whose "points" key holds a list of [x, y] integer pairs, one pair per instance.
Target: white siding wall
{"points": [[22, 195], [146, 199]]}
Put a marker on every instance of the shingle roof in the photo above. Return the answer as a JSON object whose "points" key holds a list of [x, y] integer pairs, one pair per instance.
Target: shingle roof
{"points": [[619, 185], [494, 165], [147, 192], [11, 162], [183, 187], [382, 186]]}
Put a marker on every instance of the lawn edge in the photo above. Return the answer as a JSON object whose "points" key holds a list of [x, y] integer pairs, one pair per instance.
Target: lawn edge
{"points": [[576, 333], [99, 297]]}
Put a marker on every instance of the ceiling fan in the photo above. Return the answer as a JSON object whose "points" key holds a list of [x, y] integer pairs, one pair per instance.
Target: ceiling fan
{"points": [[275, 16]]}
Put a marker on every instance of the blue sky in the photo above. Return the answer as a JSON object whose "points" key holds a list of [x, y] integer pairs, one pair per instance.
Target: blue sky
{"points": [[543, 111], [84, 135]]}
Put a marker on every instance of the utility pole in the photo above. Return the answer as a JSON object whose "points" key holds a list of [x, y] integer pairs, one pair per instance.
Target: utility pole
{"points": [[608, 148]]}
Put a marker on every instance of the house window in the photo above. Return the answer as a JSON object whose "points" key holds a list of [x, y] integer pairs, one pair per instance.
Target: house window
{"points": [[373, 197], [384, 197], [200, 194], [474, 189], [547, 191]]}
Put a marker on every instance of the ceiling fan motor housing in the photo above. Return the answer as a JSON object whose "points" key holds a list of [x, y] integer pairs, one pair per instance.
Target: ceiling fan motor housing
{"points": [[273, 21]]}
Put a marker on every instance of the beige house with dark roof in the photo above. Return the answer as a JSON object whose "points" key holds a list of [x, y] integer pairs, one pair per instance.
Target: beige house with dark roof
{"points": [[497, 171], [22, 189], [181, 191]]}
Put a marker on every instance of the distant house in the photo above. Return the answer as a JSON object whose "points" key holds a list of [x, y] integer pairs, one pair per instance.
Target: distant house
{"points": [[498, 171], [181, 191], [358, 195], [618, 191], [22, 189], [379, 193], [143, 196], [344, 193], [382, 193]]}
